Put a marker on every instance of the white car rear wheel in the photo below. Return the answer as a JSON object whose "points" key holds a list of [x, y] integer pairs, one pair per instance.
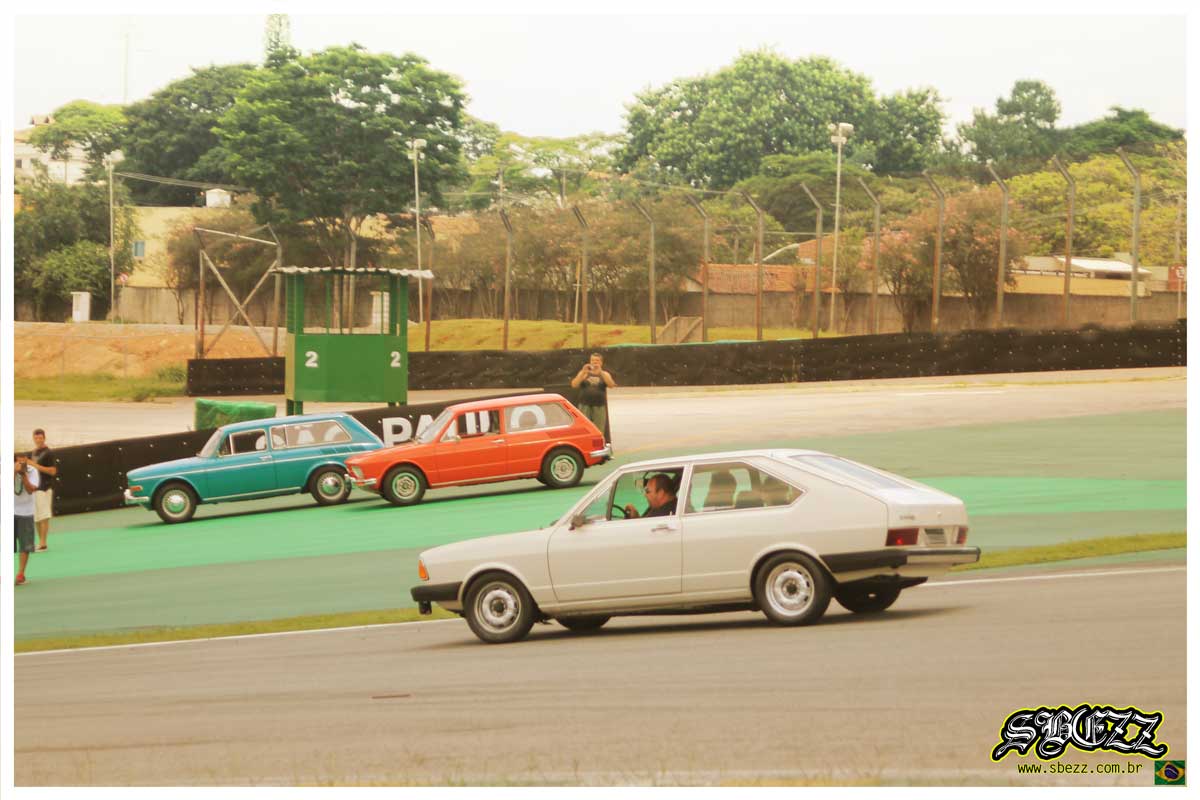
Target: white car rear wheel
{"points": [[792, 589]]}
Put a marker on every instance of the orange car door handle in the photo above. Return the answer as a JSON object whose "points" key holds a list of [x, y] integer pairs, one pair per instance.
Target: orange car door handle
{"points": [[499, 441]]}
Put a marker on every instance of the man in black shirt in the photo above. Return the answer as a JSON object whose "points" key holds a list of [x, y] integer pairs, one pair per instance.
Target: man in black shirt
{"points": [[593, 398], [42, 459], [660, 494]]}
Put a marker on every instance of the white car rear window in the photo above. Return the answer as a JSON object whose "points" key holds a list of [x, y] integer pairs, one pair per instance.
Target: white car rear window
{"points": [[850, 469]]}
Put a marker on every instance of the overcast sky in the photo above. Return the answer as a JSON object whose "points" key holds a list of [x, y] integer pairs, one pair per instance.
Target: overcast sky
{"points": [[563, 75]]}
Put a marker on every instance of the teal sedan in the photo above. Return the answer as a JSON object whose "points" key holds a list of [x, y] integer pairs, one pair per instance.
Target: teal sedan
{"points": [[259, 458]]}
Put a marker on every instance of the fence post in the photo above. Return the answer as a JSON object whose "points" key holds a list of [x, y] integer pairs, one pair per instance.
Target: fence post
{"points": [[874, 260], [1137, 218], [1002, 266], [507, 272], [937, 250], [653, 297], [583, 268], [1062, 169], [758, 277], [816, 293], [704, 268]]}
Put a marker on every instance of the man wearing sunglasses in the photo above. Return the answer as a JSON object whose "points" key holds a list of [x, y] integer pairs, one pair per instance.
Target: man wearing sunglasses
{"points": [[660, 494]]}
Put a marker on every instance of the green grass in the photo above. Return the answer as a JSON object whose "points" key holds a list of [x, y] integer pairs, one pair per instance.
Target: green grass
{"points": [[1084, 548], [100, 386], [1080, 548], [305, 623]]}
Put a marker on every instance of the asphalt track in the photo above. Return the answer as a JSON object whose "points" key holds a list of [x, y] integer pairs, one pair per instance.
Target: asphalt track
{"points": [[1039, 458], [916, 695]]}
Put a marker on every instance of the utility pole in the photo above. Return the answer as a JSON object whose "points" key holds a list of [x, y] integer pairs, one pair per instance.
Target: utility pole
{"points": [[1002, 266], [1137, 218], [816, 292], [112, 247], [937, 249], [758, 274], [414, 153], [1066, 173], [874, 260], [653, 297], [841, 133], [583, 268], [704, 268], [507, 271]]}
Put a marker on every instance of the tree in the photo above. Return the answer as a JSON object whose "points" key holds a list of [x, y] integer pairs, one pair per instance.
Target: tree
{"points": [[1121, 128], [1020, 133], [971, 247], [537, 169], [905, 131], [715, 130], [93, 127], [78, 267], [906, 266], [171, 132], [324, 138], [55, 216]]}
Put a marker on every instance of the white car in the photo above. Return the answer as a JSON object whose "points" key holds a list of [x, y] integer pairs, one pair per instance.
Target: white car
{"points": [[781, 531]]}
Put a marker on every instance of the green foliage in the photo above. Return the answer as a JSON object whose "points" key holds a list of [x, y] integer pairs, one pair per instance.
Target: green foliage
{"points": [[533, 166], [324, 138], [55, 216], [1104, 207], [715, 130], [1021, 131], [78, 267], [1122, 127], [905, 131], [171, 132], [95, 128]]}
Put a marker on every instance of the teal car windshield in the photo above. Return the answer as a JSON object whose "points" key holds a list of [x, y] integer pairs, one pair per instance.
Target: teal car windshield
{"points": [[210, 447]]}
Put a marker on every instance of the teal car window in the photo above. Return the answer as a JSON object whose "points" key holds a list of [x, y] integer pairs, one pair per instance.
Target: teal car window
{"points": [[245, 442]]}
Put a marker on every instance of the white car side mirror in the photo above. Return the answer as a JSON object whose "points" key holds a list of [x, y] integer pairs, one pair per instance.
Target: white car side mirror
{"points": [[578, 521]]}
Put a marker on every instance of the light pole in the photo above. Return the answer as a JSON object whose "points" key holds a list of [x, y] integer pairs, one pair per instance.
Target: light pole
{"points": [[414, 152], [841, 133]]}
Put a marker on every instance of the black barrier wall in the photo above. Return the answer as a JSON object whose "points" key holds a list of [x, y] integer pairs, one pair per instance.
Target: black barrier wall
{"points": [[846, 358], [92, 476]]}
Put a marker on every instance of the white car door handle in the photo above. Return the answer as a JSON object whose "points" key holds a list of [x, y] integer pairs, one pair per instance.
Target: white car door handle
{"points": [[662, 529]]}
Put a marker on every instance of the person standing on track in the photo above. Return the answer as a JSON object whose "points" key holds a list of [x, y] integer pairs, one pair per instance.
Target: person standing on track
{"points": [[593, 398], [25, 484], [42, 459]]}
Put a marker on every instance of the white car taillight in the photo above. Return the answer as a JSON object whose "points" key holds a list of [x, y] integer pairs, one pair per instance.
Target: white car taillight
{"points": [[902, 537], [962, 535]]}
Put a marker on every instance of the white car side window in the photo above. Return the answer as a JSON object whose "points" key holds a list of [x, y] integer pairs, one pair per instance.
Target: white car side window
{"points": [[735, 485]]}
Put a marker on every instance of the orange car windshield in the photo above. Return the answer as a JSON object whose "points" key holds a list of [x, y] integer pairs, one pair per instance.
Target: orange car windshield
{"points": [[434, 428]]}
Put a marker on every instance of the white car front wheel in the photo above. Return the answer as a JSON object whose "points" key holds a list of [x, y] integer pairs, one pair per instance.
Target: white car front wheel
{"points": [[498, 608], [792, 589]]}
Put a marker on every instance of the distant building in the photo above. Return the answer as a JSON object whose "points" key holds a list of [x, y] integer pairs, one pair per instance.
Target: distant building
{"points": [[27, 158]]}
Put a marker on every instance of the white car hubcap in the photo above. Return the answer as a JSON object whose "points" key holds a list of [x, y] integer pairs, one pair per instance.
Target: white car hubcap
{"points": [[790, 589], [498, 606]]}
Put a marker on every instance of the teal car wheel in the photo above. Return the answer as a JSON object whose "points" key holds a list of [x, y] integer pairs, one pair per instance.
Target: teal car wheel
{"points": [[175, 502], [329, 486], [403, 486]]}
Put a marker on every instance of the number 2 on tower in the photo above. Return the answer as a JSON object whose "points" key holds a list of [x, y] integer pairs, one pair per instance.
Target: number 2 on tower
{"points": [[396, 359], [310, 358]]}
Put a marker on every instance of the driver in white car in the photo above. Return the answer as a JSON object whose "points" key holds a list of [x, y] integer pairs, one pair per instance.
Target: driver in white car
{"points": [[660, 493]]}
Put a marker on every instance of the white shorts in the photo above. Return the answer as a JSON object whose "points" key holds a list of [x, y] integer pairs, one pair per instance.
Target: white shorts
{"points": [[43, 505]]}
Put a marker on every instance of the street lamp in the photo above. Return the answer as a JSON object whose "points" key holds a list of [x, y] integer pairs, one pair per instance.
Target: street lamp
{"points": [[841, 133], [414, 152]]}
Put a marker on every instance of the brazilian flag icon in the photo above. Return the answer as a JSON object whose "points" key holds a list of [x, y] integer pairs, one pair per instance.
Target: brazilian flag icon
{"points": [[1169, 773]]}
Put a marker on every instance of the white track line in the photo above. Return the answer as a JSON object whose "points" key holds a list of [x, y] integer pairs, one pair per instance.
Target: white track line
{"points": [[937, 584]]}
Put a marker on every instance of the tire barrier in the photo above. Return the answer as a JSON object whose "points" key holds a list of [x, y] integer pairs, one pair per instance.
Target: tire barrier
{"points": [[897, 355], [93, 475]]}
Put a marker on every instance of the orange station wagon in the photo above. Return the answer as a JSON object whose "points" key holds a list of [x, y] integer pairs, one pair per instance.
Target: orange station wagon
{"points": [[538, 436]]}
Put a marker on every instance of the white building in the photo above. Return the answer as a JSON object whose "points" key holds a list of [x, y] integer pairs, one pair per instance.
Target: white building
{"points": [[26, 158]]}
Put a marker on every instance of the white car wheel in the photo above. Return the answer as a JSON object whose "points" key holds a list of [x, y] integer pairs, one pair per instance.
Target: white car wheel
{"points": [[499, 609], [792, 590]]}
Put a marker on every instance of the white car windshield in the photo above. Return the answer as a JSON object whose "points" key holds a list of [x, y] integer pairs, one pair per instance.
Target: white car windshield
{"points": [[430, 433], [210, 447]]}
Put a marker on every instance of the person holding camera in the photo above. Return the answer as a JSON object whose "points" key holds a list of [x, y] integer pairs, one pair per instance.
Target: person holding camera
{"points": [[594, 381], [25, 483]]}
